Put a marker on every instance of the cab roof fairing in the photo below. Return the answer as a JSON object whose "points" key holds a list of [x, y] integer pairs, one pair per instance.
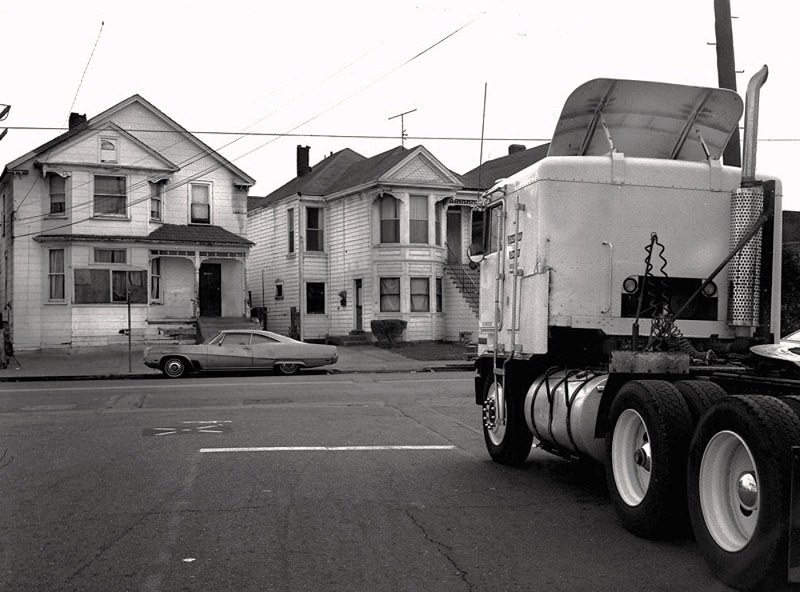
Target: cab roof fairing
{"points": [[646, 119]]}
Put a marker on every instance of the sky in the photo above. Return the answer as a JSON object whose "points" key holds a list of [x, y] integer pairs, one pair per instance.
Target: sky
{"points": [[331, 75]]}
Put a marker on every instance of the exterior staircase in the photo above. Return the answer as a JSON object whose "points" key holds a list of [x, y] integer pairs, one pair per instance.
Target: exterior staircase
{"points": [[467, 281], [207, 327]]}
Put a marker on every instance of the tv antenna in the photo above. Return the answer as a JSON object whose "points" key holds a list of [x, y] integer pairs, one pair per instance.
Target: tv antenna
{"points": [[402, 125]]}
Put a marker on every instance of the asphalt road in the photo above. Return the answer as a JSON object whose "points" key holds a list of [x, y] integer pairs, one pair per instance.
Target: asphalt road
{"points": [[313, 482]]}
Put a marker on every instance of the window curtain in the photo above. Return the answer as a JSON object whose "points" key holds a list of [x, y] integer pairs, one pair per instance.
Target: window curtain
{"points": [[390, 294]]}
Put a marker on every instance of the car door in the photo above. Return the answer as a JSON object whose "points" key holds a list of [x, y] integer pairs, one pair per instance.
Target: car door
{"points": [[264, 351], [231, 351]]}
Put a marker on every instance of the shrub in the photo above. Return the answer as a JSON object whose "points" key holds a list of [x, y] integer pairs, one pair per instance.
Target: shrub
{"points": [[387, 331]]}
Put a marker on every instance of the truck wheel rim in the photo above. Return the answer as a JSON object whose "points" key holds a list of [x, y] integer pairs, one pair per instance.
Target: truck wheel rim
{"points": [[631, 458], [729, 496], [495, 430]]}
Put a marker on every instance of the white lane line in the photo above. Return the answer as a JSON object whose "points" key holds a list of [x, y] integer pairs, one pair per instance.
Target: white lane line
{"points": [[323, 448]]}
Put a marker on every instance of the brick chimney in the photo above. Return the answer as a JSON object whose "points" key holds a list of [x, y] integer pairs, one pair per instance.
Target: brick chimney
{"points": [[76, 120], [302, 160], [514, 148]]}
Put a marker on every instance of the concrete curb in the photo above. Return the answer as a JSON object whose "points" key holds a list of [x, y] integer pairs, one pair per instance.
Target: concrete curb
{"points": [[146, 375]]}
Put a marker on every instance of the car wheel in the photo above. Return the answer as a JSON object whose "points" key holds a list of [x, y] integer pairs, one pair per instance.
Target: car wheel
{"points": [[646, 449], [174, 367], [739, 476], [288, 368]]}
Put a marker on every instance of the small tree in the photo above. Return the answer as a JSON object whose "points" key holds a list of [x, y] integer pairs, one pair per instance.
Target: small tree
{"points": [[387, 331]]}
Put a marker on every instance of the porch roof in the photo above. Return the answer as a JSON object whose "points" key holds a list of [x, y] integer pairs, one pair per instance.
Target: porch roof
{"points": [[195, 234]]}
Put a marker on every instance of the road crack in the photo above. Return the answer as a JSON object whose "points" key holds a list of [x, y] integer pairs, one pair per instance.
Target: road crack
{"points": [[444, 550]]}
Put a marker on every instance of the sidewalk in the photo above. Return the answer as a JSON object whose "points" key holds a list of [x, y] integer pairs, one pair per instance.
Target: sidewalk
{"points": [[113, 362]]}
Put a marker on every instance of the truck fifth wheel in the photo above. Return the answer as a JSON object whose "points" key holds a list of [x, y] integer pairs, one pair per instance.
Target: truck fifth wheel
{"points": [[624, 279]]}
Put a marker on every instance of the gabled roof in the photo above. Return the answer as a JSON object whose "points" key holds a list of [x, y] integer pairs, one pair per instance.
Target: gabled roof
{"points": [[98, 121], [369, 169], [484, 176], [316, 182], [167, 164]]}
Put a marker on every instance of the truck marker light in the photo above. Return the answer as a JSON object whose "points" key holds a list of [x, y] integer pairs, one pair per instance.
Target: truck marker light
{"points": [[630, 285]]}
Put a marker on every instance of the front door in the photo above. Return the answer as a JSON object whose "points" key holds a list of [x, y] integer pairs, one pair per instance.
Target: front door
{"points": [[210, 290], [454, 235], [359, 306]]}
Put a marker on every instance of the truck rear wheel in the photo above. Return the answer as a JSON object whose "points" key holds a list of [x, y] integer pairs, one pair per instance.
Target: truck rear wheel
{"points": [[699, 396], [646, 447], [508, 443], [738, 489]]}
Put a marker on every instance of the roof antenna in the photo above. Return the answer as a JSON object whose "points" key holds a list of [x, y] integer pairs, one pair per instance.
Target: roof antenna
{"points": [[403, 133]]}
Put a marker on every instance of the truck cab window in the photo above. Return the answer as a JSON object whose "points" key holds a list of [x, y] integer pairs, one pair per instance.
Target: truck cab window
{"points": [[493, 223]]}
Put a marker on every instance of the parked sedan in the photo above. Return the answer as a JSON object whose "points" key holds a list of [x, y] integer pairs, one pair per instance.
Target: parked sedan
{"points": [[239, 349]]}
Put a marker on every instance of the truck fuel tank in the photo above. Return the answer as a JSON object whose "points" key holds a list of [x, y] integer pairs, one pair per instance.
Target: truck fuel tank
{"points": [[561, 409]]}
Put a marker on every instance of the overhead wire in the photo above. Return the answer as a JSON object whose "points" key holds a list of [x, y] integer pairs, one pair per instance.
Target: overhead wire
{"points": [[215, 151]]}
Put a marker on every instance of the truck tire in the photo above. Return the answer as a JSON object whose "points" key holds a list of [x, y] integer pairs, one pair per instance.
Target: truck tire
{"points": [[738, 489], [699, 396], [646, 448], [507, 444]]}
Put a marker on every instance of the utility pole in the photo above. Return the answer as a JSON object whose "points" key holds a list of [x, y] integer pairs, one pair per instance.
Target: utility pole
{"points": [[402, 125], [726, 70]]}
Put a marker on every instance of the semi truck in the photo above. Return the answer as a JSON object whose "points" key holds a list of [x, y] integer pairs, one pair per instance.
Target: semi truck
{"points": [[623, 280]]}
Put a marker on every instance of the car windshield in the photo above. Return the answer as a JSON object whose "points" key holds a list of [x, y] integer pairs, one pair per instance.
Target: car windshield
{"points": [[793, 337]]}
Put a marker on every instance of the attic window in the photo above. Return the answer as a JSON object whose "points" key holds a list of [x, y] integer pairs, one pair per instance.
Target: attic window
{"points": [[108, 150]]}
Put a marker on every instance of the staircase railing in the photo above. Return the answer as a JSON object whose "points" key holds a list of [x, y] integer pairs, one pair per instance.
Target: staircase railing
{"points": [[463, 279]]}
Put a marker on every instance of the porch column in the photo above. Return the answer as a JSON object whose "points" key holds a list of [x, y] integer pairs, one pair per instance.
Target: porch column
{"points": [[196, 291]]}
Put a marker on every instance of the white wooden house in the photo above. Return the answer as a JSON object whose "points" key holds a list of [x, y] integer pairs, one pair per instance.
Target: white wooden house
{"points": [[353, 239], [125, 220]]}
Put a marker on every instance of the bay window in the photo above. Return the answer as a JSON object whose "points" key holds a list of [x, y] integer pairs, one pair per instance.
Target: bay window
{"points": [[420, 294], [418, 219], [390, 219], [390, 294]]}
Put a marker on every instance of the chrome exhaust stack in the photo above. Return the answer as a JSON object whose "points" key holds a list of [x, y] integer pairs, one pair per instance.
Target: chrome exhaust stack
{"points": [[747, 215]]}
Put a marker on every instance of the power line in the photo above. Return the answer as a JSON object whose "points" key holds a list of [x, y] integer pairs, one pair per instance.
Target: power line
{"points": [[89, 61], [338, 136]]}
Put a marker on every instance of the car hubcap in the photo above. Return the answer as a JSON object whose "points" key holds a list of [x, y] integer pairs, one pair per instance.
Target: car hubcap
{"points": [[729, 493], [174, 367], [631, 457]]}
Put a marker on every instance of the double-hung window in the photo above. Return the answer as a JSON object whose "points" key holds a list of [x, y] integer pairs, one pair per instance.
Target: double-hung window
{"points": [[56, 274], [58, 195], [200, 207], [418, 219], [110, 198], [439, 294], [390, 219], [155, 279], [390, 294], [156, 201], [314, 229], [420, 294], [290, 227]]}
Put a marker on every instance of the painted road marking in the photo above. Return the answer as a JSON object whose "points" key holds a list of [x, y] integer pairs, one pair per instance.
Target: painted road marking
{"points": [[204, 428], [323, 448]]}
